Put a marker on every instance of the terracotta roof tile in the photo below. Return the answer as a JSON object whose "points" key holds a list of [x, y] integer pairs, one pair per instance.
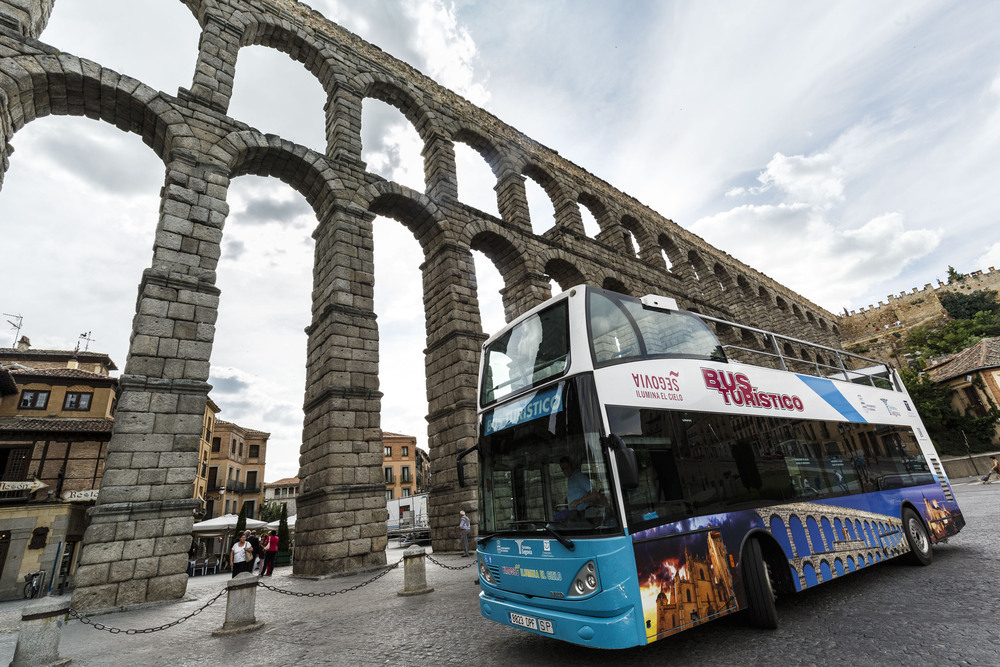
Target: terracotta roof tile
{"points": [[59, 372], [54, 425], [287, 481], [982, 355]]}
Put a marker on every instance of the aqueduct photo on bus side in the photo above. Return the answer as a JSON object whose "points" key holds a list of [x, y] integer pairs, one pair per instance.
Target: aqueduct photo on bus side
{"points": [[136, 543]]}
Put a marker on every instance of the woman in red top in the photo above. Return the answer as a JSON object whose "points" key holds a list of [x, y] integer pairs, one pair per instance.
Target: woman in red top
{"points": [[270, 546]]}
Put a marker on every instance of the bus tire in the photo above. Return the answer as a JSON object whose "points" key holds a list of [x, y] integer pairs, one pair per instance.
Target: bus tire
{"points": [[917, 538], [761, 611]]}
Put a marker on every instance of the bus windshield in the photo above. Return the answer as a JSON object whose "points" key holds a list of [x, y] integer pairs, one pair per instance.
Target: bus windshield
{"points": [[542, 465], [532, 352], [622, 329]]}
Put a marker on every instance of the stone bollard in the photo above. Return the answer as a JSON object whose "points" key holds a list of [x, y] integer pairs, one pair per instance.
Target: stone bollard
{"points": [[240, 603], [414, 572], [38, 640]]}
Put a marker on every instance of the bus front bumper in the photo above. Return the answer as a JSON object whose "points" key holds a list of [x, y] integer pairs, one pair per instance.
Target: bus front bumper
{"points": [[596, 631]]}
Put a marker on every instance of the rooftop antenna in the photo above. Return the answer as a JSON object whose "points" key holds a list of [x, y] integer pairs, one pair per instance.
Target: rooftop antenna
{"points": [[16, 326], [85, 336]]}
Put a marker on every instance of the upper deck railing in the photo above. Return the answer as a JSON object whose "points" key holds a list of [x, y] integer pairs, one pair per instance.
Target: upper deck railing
{"points": [[828, 362]]}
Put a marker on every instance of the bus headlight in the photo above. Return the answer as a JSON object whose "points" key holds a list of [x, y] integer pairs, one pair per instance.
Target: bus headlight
{"points": [[585, 581], [485, 573]]}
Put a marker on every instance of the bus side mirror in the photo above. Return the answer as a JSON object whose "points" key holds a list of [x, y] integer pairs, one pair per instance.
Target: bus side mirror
{"points": [[628, 468], [461, 464]]}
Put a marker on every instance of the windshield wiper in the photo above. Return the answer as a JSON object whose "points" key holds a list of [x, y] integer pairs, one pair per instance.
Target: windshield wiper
{"points": [[565, 541]]}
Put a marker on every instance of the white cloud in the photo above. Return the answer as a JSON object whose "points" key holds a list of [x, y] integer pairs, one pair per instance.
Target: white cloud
{"points": [[815, 179]]}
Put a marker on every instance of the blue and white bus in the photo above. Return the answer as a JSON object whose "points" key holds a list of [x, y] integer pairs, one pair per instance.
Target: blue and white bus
{"points": [[637, 477]]}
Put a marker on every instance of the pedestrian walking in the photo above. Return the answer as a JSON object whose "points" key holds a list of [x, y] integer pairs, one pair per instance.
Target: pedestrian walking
{"points": [[258, 554], [241, 556], [994, 470], [270, 546], [465, 526]]}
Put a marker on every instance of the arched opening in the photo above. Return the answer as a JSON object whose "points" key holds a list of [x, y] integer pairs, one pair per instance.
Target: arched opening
{"points": [[105, 43], [390, 146], [402, 336], [563, 274], [540, 207], [476, 181], [276, 95], [259, 356], [76, 265], [489, 285]]}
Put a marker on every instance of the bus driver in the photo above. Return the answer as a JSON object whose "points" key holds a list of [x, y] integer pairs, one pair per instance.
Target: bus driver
{"points": [[579, 491]]}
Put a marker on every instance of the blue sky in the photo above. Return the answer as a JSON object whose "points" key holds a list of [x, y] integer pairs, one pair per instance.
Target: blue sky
{"points": [[848, 150]]}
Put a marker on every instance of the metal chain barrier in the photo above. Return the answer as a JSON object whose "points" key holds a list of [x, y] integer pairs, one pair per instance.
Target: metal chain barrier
{"points": [[145, 631], [300, 594], [449, 567]]}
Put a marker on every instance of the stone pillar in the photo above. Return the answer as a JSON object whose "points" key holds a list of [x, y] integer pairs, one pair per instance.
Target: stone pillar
{"points": [[340, 524], [523, 293], [38, 639], [454, 340], [241, 604], [343, 125], [215, 70], [135, 548], [440, 173], [26, 17], [512, 201], [415, 572]]}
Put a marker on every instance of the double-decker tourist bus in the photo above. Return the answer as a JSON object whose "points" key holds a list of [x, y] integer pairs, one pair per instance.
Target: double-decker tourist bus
{"points": [[638, 477]]}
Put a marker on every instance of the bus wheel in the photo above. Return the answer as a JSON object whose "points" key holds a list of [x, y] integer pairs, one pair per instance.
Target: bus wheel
{"points": [[917, 538], [761, 612]]}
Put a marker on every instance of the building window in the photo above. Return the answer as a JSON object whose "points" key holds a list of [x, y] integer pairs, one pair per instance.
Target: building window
{"points": [[388, 476], [232, 447], [216, 444], [388, 451], [241, 449], [255, 451], [405, 474], [77, 400], [405, 452], [406, 492], [34, 400], [388, 494]]}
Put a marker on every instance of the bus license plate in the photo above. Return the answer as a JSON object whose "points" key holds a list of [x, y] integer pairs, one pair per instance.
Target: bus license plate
{"points": [[532, 623]]}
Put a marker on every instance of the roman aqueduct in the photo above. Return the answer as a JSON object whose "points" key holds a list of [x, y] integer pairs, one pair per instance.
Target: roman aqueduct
{"points": [[135, 546]]}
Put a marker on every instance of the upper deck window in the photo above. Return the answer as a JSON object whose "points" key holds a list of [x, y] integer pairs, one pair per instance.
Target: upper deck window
{"points": [[622, 329], [535, 350]]}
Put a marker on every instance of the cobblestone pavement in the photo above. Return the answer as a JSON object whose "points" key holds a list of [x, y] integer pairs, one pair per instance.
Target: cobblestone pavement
{"points": [[890, 614]]}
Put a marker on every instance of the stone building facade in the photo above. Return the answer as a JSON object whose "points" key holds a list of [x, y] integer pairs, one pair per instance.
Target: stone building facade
{"points": [[56, 417], [145, 509]]}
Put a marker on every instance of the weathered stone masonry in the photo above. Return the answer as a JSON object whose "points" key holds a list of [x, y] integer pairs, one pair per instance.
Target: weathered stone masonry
{"points": [[135, 547]]}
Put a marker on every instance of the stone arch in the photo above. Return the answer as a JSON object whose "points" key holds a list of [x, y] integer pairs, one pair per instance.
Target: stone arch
{"points": [[567, 215], [522, 277], [615, 285], [674, 255], [746, 289], [647, 249], [697, 265], [305, 171], [597, 209], [564, 272], [37, 86]]}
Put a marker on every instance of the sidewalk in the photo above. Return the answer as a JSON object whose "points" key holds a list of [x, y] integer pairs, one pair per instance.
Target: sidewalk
{"points": [[368, 626]]}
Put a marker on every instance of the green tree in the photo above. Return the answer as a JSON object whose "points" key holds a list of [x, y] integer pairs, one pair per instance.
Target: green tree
{"points": [[965, 306], [954, 276], [241, 521], [284, 539], [270, 512], [948, 428]]}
